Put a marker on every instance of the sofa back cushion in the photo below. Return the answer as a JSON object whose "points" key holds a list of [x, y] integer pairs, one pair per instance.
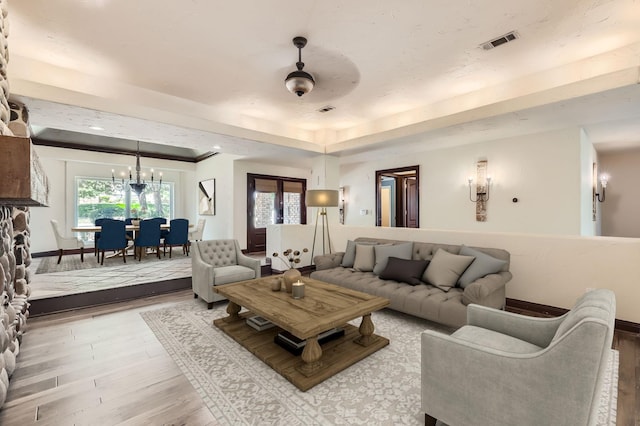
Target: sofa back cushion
{"points": [[218, 252], [384, 251], [425, 251]]}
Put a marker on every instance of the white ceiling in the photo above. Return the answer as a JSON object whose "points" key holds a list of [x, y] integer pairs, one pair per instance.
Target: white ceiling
{"points": [[203, 73]]}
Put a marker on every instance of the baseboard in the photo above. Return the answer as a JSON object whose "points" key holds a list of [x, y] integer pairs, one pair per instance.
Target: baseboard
{"points": [[553, 311], [102, 297]]}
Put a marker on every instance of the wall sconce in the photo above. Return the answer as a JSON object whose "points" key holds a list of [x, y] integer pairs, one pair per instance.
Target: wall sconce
{"points": [[341, 204], [482, 191], [604, 179]]}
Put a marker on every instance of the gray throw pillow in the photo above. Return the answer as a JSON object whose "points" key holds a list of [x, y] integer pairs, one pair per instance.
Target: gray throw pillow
{"points": [[365, 258], [483, 265], [445, 269], [404, 271], [383, 252], [350, 253]]}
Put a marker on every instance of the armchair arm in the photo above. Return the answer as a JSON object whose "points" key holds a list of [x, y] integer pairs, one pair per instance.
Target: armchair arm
{"points": [[202, 274], [538, 331], [488, 290], [249, 262], [328, 261]]}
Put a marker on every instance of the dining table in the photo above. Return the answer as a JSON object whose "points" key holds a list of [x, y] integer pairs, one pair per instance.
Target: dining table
{"points": [[133, 228]]}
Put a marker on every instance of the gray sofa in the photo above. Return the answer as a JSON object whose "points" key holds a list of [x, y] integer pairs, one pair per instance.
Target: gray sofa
{"points": [[445, 305]]}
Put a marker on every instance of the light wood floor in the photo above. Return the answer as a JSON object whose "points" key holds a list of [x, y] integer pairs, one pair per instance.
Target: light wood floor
{"points": [[103, 366], [100, 366]]}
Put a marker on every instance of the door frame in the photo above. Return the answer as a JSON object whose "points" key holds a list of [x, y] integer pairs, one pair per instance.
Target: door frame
{"points": [[400, 174], [251, 178]]}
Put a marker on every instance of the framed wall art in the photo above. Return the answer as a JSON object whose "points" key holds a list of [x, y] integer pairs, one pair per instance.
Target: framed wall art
{"points": [[207, 197]]}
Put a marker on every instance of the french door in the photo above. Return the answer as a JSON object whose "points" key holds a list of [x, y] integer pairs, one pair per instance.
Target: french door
{"points": [[272, 200]]}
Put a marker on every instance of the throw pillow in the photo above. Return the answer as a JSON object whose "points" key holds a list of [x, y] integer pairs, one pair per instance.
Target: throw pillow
{"points": [[383, 252], [365, 258], [481, 266], [350, 253], [445, 269], [404, 271]]}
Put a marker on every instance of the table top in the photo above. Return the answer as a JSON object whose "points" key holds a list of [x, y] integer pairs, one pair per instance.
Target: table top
{"points": [[94, 228], [323, 307]]}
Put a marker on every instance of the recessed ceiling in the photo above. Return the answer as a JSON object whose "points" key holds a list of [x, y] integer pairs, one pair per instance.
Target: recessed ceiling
{"points": [[212, 73]]}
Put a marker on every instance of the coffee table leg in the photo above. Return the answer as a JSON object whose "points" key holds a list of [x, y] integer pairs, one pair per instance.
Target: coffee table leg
{"points": [[232, 309], [311, 355], [366, 331]]}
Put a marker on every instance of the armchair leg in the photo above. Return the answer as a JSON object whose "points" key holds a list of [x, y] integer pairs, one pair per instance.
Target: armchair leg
{"points": [[210, 305], [81, 254], [60, 257], [124, 255], [102, 261], [195, 295], [158, 251], [429, 421]]}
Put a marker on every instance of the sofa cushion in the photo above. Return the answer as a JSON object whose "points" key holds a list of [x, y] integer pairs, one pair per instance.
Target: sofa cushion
{"points": [[231, 274], [383, 252], [350, 253], [445, 269], [365, 258], [481, 266], [403, 270]]}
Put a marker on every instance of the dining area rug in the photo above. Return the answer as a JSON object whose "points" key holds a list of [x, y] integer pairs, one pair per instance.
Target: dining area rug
{"points": [[239, 389], [72, 262]]}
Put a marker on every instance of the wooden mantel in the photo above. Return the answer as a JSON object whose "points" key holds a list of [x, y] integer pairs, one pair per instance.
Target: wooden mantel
{"points": [[22, 178]]}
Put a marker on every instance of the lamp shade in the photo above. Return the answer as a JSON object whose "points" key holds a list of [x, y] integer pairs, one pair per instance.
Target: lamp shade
{"points": [[322, 198]]}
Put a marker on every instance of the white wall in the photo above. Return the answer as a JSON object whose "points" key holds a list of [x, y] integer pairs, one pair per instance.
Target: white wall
{"points": [[220, 168], [62, 166], [588, 156], [547, 269], [543, 171], [621, 208]]}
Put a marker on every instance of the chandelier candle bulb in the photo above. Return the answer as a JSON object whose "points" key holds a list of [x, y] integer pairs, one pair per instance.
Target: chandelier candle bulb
{"points": [[297, 290]]}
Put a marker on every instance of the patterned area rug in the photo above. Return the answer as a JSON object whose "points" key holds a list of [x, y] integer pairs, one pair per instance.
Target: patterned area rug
{"points": [[239, 389], [72, 262], [69, 262]]}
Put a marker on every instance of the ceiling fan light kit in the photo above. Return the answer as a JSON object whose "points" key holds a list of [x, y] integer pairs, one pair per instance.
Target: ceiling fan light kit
{"points": [[299, 82]]}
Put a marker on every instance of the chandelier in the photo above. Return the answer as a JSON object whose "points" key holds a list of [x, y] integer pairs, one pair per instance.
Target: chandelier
{"points": [[139, 185]]}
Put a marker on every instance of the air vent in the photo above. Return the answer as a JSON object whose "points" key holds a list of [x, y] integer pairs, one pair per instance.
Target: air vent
{"points": [[500, 40], [326, 109]]}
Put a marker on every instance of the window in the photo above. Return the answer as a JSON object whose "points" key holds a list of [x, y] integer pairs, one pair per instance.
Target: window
{"points": [[99, 197]]}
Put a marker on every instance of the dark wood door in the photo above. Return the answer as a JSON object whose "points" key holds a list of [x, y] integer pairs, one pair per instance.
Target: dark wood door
{"points": [[272, 200], [411, 202]]}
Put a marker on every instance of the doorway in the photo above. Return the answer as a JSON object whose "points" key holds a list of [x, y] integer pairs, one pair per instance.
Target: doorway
{"points": [[397, 197], [272, 200]]}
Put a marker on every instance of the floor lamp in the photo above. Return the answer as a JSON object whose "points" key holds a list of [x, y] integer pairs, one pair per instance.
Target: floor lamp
{"points": [[322, 198]]}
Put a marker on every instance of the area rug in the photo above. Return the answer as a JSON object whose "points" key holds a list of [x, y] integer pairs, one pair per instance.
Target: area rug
{"points": [[239, 389], [72, 262], [69, 262]]}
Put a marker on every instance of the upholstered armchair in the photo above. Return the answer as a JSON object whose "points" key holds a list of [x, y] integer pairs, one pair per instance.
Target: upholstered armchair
{"points": [[216, 262], [508, 369], [65, 243]]}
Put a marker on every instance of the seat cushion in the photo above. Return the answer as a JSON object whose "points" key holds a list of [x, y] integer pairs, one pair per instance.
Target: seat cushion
{"points": [[232, 274], [491, 339]]}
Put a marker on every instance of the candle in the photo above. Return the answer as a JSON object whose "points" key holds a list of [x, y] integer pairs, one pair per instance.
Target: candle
{"points": [[297, 290]]}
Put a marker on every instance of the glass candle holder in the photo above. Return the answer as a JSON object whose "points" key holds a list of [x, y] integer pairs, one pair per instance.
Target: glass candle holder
{"points": [[297, 290]]}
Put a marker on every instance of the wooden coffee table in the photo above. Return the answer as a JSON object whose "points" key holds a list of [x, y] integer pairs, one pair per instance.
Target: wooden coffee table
{"points": [[324, 307]]}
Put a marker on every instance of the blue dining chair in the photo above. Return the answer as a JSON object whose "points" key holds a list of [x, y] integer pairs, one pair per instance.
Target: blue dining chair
{"points": [[148, 236], [178, 235], [96, 235], [113, 237], [163, 221]]}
